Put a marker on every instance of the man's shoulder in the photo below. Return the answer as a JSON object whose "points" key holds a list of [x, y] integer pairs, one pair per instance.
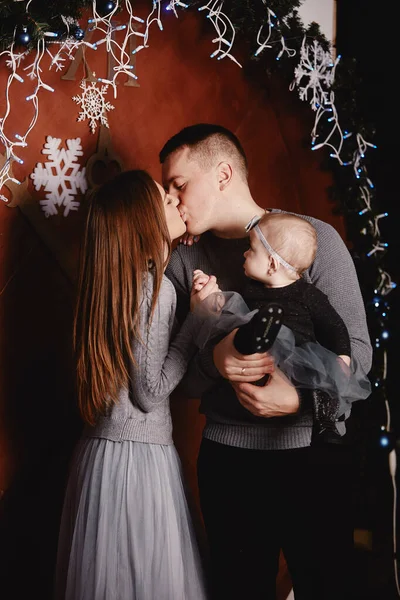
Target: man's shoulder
{"points": [[183, 260]]}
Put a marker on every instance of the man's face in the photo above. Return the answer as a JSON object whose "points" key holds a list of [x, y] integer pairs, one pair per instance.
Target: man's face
{"points": [[196, 189]]}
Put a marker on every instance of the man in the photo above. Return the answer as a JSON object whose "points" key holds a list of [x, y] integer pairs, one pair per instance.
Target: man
{"points": [[262, 485]]}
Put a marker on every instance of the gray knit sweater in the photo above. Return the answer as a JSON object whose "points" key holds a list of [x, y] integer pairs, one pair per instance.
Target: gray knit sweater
{"points": [[142, 413], [227, 421]]}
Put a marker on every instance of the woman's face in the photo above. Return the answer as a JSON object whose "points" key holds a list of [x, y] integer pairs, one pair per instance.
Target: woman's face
{"points": [[175, 224]]}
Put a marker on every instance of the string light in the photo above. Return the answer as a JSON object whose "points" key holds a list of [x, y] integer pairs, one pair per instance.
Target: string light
{"points": [[224, 28], [66, 49]]}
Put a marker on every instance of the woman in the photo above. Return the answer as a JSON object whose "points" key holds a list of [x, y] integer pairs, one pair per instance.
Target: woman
{"points": [[126, 532]]}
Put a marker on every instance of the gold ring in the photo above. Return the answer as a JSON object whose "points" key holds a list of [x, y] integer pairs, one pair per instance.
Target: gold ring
{"points": [[242, 370]]}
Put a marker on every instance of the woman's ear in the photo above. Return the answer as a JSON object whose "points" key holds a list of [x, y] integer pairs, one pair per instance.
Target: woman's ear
{"points": [[224, 175]]}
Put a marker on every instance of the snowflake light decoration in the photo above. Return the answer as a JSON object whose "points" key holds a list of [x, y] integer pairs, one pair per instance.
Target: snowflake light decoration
{"points": [[94, 106], [61, 177], [319, 67]]}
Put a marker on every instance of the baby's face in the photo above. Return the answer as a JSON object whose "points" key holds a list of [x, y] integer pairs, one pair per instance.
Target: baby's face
{"points": [[257, 261]]}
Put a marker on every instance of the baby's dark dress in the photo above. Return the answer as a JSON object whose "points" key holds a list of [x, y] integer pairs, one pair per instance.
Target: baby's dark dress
{"points": [[310, 316], [307, 312], [306, 349]]}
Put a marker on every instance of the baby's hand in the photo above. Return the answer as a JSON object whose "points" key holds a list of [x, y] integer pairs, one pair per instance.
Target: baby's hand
{"points": [[199, 280], [346, 359], [202, 286]]}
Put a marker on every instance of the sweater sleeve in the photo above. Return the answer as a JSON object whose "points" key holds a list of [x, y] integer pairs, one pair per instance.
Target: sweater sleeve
{"points": [[161, 363], [177, 274], [201, 374], [334, 273], [329, 328]]}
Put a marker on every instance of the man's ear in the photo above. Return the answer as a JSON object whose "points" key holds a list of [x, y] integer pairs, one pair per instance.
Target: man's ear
{"points": [[224, 175]]}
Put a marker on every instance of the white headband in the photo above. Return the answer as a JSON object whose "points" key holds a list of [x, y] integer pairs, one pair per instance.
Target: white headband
{"points": [[253, 224]]}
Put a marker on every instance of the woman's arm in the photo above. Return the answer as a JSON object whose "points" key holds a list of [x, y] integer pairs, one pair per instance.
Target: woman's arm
{"points": [[161, 362]]}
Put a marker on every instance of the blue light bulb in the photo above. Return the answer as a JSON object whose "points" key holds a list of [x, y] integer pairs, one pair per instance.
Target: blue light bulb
{"points": [[384, 441]]}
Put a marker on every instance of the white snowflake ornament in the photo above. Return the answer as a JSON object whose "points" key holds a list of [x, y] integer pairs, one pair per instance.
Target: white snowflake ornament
{"points": [[93, 103], [62, 177], [315, 73]]}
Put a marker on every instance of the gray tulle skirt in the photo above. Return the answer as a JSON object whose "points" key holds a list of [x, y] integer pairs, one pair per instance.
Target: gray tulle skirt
{"points": [[126, 531]]}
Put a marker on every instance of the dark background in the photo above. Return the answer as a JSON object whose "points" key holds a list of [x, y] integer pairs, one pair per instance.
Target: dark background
{"points": [[366, 31]]}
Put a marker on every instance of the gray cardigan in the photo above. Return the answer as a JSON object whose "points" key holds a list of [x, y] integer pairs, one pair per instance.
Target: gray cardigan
{"points": [[142, 413], [227, 421]]}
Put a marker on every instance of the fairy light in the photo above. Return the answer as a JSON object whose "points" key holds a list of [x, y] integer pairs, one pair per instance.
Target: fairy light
{"points": [[175, 3], [224, 28], [273, 25], [33, 71]]}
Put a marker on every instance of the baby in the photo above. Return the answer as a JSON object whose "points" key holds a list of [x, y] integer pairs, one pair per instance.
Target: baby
{"points": [[312, 348]]}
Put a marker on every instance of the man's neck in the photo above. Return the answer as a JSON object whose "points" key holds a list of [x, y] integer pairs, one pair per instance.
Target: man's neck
{"points": [[232, 225]]}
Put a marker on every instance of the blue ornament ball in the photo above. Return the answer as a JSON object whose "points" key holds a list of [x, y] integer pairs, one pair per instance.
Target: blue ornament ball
{"points": [[107, 7], [22, 36], [78, 33]]}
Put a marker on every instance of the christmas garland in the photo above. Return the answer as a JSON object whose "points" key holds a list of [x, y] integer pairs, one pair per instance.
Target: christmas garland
{"points": [[277, 41]]}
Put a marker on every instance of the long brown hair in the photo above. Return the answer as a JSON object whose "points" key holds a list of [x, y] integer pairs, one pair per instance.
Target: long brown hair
{"points": [[126, 231]]}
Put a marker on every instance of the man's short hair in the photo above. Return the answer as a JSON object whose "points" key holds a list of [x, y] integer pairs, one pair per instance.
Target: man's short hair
{"points": [[206, 143]]}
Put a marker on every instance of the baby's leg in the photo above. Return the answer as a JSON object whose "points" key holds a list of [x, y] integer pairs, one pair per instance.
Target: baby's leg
{"points": [[325, 409], [259, 334]]}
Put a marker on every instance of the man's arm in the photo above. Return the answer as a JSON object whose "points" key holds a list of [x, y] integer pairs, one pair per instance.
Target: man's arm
{"points": [[334, 273]]}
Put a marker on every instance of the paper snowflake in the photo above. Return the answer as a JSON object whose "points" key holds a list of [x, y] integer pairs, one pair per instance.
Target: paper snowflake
{"points": [[318, 67], [94, 106], [62, 177]]}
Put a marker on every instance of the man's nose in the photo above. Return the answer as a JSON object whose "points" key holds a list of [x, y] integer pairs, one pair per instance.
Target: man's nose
{"points": [[174, 193]]}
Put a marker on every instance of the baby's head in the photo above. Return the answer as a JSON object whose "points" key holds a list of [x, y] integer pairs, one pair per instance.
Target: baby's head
{"points": [[292, 245]]}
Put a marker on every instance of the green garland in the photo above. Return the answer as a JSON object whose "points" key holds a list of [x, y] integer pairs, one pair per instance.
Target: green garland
{"points": [[247, 17], [43, 15]]}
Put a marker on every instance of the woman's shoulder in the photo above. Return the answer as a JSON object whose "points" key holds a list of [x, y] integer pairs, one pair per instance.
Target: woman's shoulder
{"points": [[167, 287]]}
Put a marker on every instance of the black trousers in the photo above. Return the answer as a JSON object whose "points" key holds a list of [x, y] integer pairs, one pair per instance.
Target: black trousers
{"points": [[256, 502]]}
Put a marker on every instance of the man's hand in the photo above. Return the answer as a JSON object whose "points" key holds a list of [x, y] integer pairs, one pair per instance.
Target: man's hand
{"points": [[189, 239], [234, 366], [278, 398]]}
